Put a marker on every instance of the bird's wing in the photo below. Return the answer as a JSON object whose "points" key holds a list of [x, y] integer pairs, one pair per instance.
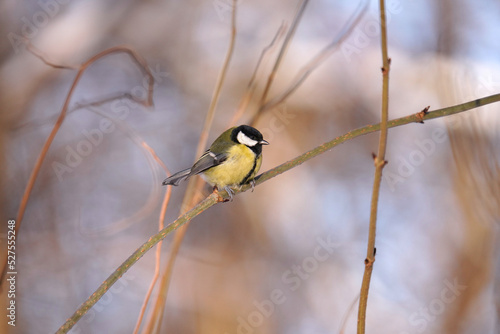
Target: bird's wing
{"points": [[176, 178], [208, 160]]}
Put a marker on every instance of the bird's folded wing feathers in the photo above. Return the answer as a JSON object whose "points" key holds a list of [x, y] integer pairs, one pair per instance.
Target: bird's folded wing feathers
{"points": [[176, 178], [206, 161]]}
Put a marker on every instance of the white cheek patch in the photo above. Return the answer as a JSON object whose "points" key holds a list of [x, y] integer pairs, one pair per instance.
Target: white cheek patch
{"points": [[245, 140]]}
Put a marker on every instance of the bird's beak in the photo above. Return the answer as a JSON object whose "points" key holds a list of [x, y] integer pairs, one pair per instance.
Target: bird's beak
{"points": [[264, 142]]}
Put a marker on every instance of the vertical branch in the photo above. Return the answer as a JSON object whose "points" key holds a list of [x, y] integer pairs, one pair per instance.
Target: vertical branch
{"points": [[379, 161], [192, 192]]}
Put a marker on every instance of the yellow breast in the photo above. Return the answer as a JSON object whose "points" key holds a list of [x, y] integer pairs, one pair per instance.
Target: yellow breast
{"points": [[235, 169]]}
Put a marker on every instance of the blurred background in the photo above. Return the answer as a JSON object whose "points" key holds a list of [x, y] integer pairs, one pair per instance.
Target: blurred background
{"points": [[287, 258]]}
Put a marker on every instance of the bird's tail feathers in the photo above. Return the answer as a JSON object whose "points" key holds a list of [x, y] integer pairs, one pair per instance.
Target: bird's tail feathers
{"points": [[177, 178]]}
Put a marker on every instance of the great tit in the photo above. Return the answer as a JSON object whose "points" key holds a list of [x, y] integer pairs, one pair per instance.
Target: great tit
{"points": [[233, 160]]}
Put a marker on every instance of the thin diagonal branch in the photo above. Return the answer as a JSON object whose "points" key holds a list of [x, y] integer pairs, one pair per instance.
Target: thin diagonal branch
{"points": [[161, 225], [281, 54], [156, 274], [215, 198], [320, 57], [39, 54], [205, 204], [252, 84]]}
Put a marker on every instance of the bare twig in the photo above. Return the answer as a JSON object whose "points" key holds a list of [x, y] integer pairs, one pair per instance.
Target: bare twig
{"points": [[350, 310], [319, 58], [83, 105], [252, 84], [39, 54], [281, 54], [380, 162]]}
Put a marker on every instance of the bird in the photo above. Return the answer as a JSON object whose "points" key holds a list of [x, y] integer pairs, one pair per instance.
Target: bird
{"points": [[232, 160]]}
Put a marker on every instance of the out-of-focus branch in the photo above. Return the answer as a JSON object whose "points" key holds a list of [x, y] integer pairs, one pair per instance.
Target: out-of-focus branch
{"points": [[39, 54], [316, 61], [36, 169], [380, 162], [81, 69], [156, 274], [193, 188], [281, 54], [252, 84], [215, 198], [319, 58]]}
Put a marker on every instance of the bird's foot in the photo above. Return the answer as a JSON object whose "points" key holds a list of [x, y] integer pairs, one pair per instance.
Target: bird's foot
{"points": [[252, 183], [230, 192]]}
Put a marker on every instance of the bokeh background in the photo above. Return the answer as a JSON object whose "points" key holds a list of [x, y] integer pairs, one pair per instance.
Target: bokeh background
{"points": [[287, 258]]}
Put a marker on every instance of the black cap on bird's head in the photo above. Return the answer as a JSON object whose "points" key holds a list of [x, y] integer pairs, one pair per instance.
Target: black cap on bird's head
{"points": [[248, 136]]}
